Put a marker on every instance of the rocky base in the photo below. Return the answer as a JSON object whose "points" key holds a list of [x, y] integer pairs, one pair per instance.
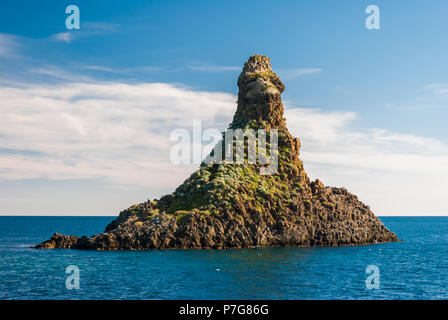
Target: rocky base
{"points": [[336, 218]]}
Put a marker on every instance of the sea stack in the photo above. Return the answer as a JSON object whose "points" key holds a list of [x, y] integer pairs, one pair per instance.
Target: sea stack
{"points": [[228, 205]]}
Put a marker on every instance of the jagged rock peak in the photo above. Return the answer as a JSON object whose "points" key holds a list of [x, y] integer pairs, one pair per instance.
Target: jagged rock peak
{"points": [[257, 63], [259, 101]]}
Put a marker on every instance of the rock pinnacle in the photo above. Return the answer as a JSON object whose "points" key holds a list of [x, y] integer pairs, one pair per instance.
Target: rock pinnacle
{"points": [[231, 205]]}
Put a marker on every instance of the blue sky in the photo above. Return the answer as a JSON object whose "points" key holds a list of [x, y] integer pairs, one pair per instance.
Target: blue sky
{"points": [[335, 70], [377, 73]]}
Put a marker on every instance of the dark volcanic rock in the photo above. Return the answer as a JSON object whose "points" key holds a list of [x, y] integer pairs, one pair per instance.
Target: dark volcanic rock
{"points": [[226, 205], [59, 241]]}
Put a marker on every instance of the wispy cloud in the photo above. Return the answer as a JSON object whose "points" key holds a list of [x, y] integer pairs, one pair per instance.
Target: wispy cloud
{"points": [[290, 74], [87, 29], [438, 88], [213, 68], [63, 36], [8, 45]]}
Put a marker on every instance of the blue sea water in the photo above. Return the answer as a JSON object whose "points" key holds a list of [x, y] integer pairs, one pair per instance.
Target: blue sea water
{"points": [[416, 268]]}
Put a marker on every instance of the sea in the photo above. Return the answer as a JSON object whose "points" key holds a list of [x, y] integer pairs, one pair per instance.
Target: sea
{"points": [[415, 268]]}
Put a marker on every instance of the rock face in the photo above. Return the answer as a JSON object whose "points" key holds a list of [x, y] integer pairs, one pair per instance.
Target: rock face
{"points": [[228, 205]]}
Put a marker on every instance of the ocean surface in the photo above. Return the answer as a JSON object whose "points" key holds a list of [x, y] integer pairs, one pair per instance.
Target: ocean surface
{"points": [[416, 268]]}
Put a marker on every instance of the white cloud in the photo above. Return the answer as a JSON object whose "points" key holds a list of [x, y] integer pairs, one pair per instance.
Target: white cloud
{"points": [[438, 88], [63, 36], [139, 69], [285, 74], [87, 29], [113, 131], [60, 74], [100, 68], [100, 27], [429, 97], [397, 174]]}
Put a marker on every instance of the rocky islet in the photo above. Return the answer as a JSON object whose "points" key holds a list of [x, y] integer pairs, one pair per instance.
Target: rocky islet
{"points": [[228, 205]]}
